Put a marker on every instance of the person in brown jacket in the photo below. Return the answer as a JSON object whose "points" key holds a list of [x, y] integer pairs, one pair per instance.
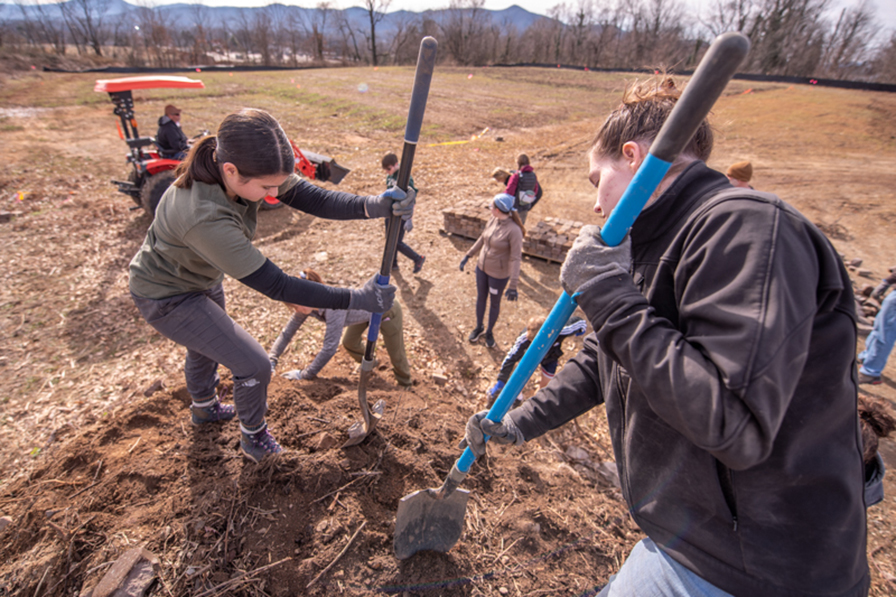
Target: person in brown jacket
{"points": [[500, 248]]}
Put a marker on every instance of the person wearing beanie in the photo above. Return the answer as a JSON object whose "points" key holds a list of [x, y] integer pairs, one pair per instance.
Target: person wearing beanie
{"points": [[500, 249], [739, 174]]}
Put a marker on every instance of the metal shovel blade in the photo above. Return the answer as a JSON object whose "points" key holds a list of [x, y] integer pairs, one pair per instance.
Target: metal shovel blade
{"points": [[360, 430], [426, 521]]}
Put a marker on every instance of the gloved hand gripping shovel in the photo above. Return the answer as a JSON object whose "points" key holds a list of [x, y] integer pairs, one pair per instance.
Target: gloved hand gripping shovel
{"points": [[434, 518], [426, 61]]}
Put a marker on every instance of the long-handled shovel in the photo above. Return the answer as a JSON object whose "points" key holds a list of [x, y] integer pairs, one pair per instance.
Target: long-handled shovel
{"points": [[434, 518], [426, 61]]}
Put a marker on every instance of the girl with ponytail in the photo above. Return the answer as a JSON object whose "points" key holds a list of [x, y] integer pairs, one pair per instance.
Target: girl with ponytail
{"points": [[203, 229]]}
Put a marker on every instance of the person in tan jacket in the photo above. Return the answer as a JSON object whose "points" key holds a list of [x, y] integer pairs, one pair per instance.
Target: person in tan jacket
{"points": [[500, 248]]}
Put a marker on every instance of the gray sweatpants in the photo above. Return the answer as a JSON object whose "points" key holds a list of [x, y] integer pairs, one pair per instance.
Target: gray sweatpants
{"points": [[198, 321]]}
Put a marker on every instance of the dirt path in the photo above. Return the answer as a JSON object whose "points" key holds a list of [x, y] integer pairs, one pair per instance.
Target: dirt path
{"points": [[91, 465]]}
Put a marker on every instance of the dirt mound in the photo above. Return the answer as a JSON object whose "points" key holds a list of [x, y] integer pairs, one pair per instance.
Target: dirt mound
{"points": [[90, 467], [144, 475]]}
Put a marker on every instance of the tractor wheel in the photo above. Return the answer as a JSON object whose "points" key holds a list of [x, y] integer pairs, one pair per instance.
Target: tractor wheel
{"points": [[153, 189], [134, 179]]}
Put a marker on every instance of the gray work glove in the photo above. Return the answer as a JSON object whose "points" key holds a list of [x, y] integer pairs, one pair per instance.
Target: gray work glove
{"points": [[295, 375], [590, 260], [408, 225], [372, 297], [463, 262], [505, 432], [393, 202], [878, 293]]}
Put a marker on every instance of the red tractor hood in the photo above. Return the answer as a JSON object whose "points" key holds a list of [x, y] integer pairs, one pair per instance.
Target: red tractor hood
{"points": [[155, 82]]}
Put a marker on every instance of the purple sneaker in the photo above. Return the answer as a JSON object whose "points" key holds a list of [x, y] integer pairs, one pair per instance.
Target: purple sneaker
{"points": [[258, 444], [212, 412]]}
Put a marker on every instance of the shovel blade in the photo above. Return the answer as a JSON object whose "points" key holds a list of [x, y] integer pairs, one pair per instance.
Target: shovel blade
{"points": [[359, 430], [425, 521]]}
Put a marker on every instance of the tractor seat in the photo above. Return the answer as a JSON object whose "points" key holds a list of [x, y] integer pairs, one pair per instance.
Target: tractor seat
{"points": [[140, 142]]}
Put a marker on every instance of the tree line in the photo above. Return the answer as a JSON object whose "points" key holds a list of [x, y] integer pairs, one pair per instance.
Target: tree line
{"points": [[789, 37]]}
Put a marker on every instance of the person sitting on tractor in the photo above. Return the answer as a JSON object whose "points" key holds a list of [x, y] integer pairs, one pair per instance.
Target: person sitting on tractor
{"points": [[172, 141]]}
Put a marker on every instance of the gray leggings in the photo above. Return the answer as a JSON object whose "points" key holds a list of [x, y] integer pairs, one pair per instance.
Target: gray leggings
{"points": [[198, 321]]}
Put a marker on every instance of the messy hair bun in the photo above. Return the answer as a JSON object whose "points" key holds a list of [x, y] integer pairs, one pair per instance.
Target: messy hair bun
{"points": [[645, 107]]}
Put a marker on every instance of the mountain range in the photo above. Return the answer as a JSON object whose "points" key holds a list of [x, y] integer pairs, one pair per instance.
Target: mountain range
{"points": [[183, 12]]}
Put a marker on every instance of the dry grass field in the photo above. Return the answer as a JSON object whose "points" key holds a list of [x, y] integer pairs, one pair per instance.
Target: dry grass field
{"points": [[91, 463]]}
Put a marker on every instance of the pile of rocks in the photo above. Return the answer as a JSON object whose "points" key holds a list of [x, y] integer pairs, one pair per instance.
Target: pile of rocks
{"points": [[549, 239]]}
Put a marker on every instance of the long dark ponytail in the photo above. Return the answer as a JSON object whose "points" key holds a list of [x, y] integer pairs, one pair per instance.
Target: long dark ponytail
{"points": [[252, 140]]}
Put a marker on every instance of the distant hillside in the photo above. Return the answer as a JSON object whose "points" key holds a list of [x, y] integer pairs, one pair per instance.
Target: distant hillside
{"points": [[514, 15]]}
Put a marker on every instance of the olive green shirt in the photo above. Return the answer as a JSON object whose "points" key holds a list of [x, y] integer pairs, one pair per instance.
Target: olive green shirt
{"points": [[198, 235]]}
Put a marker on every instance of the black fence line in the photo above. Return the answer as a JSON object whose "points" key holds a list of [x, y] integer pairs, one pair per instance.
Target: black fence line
{"points": [[837, 83], [863, 85]]}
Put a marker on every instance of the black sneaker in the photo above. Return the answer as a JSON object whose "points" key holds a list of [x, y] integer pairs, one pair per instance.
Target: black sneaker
{"points": [[489, 340], [871, 380], [418, 264], [259, 444], [476, 334]]}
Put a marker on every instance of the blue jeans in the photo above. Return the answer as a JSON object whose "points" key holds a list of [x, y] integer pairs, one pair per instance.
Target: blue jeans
{"points": [[880, 341], [648, 572]]}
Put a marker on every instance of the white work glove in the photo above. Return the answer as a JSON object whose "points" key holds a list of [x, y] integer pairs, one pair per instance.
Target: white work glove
{"points": [[590, 260], [295, 375], [505, 432]]}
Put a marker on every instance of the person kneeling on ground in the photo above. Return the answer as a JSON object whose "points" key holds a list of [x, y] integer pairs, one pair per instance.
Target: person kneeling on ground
{"points": [[203, 229], [724, 352], [576, 326], [355, 322]]}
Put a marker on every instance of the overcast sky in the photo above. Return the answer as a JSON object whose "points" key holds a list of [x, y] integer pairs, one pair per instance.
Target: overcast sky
{"points": [[886, 9]]}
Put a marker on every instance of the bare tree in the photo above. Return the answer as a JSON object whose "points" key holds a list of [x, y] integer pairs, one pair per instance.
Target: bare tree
{"points": [[376, 12], [787, 36], [85, 20], [200, 17], [350, 49], [462, 27], [848, 43], [883, 65], [42, 26], [155, 34], [403, 47], [318, 27], [728, 15]]}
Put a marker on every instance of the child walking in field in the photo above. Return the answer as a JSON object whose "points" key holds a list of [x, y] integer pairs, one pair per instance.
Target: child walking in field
{"points": [[354, 322], [390, 165], [203, 229]]}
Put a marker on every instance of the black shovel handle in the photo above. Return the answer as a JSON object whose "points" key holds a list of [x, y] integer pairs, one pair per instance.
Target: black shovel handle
{"points": [[426, 61]]}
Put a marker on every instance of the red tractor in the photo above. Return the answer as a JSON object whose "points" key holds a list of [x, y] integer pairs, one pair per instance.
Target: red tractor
{"points": [[150, 174]]}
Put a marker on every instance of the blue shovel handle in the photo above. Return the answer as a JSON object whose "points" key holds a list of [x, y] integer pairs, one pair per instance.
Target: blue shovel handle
{"points": [[712, 75]]}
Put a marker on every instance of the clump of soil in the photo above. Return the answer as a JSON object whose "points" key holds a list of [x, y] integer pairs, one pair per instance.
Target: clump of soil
{"points": [[144, 475]]}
